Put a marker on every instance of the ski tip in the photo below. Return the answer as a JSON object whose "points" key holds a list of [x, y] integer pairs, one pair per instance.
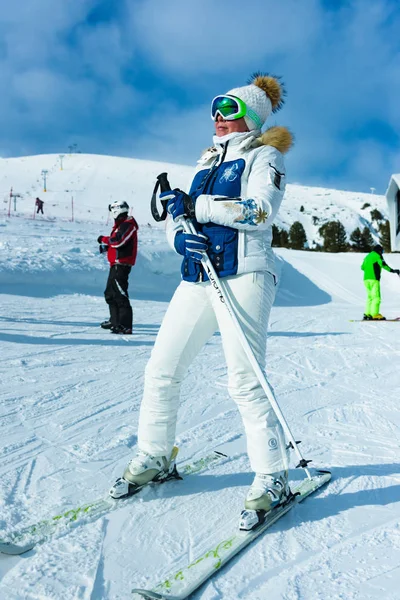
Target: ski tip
{"points": [[15, 549], [220, 454], [325, 475], [149, 595], [322, 477]]}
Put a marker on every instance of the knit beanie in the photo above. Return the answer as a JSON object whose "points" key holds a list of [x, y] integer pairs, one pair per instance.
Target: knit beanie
{"points": [[264, 95]]}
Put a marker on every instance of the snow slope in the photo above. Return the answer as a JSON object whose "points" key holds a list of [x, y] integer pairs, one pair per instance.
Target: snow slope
{"points": [[93, 181], [69, 405]]}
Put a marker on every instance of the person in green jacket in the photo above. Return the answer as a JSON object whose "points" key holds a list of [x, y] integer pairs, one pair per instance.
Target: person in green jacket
{"points": [[372, 266]]}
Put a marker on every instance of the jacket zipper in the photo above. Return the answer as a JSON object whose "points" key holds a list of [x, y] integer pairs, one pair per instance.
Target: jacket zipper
{"points": [[212, 176], [207, 188]]}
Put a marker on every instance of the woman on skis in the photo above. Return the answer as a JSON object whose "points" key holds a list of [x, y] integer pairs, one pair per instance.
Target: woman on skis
{"points": [[233, 200]]}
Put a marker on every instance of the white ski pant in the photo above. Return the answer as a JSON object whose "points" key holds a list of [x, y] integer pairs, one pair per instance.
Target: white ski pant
{"points": [[194, 314]]}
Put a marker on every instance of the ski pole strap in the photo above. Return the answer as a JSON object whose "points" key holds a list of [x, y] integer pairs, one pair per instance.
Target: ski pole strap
{"points": [[162, 183]]}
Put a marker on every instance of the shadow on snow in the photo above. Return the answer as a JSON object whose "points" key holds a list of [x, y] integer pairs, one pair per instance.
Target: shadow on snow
{"points": [[96, 325], [294, 289], [49, 341]]}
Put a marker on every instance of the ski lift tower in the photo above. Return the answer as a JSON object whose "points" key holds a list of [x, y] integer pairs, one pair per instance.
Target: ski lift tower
{"points": [[13, 196], [44, 175]]}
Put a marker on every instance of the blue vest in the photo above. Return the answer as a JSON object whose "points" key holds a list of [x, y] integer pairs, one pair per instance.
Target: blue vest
{"points": [[220, 180]]}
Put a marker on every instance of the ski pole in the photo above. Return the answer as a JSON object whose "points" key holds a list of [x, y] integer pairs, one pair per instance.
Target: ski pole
{"points": [[218, 287]]}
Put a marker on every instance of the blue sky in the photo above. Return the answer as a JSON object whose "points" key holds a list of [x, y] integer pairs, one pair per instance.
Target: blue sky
{"points": [[135, 78]]}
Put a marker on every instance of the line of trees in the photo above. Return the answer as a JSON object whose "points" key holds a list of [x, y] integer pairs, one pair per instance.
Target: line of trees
{"points": [[334, 237]]}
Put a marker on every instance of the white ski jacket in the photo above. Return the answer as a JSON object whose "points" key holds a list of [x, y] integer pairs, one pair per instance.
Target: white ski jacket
{"points": [[238, 187]]}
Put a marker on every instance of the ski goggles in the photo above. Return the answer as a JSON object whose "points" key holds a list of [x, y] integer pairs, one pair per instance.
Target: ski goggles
{"points": [[231, 108]]}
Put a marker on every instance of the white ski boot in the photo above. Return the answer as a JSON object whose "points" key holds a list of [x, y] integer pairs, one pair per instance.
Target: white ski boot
{"points": [[265, 493], [143, 469]]}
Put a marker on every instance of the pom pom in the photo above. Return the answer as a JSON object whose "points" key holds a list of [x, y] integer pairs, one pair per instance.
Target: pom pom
{"points": [[272, 86]]}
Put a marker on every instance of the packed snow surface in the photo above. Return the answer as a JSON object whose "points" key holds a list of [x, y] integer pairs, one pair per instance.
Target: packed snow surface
{"points": [[69, 405]]}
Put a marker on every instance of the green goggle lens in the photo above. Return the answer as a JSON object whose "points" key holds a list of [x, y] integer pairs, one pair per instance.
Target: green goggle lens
{"points": [[228, 107]]}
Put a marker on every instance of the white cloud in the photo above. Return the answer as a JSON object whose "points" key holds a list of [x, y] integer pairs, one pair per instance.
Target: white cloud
{"points": [[189, 40], [141, 82], [179, 138]]}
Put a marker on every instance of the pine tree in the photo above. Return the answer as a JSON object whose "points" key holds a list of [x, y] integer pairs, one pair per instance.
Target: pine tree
{"points": [[297, 236], [384, 240], [367, 240], [376, 215], [357, 240], [335, 238], [284, 238], [276, 238], [280, 237]]}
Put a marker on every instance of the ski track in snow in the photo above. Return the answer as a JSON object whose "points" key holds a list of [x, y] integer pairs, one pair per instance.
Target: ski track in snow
{"points": [[69, 408]]}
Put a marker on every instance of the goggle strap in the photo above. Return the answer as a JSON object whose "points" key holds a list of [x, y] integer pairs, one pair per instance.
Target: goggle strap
{"points": [[254, 117]]}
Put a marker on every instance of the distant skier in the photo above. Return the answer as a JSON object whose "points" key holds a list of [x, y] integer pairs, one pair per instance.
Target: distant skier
{"points": [[372, 266], [39, 206], [121, 246], [234, 197]]}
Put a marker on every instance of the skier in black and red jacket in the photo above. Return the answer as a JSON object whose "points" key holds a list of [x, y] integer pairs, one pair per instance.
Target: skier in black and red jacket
{"points": [[121, 246]]}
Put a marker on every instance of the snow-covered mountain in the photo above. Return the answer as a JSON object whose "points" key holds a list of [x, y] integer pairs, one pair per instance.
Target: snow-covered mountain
{"points": [[94, 181]]}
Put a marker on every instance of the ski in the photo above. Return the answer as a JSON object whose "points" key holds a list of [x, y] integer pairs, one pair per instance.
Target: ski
{"points": [[183, 583], [22, 540], [397, 319]]}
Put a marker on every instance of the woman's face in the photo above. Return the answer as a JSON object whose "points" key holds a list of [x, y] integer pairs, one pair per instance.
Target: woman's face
{"points": [[224, 127]]}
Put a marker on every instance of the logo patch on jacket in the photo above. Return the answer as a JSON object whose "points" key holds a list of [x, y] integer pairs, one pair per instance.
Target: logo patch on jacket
{"points": [[230, 173], [223, 180], [276, 176]]}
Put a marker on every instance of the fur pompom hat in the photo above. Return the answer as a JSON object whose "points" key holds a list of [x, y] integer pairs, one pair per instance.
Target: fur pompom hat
{"points": [[263, 95]]}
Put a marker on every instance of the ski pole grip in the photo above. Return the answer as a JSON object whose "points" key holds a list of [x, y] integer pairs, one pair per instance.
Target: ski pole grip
{"points": [[164, 183]]}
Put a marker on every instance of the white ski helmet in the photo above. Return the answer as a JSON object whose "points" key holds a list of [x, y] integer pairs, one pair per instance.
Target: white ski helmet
{"points": [[118, 207]]}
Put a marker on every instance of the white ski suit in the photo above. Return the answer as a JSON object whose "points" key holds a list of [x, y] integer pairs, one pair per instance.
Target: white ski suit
{"points": [[238, 187]]}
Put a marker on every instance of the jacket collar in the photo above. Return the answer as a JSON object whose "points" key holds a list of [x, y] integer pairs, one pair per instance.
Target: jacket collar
{"points": [[277, 137], [235, 139]]}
